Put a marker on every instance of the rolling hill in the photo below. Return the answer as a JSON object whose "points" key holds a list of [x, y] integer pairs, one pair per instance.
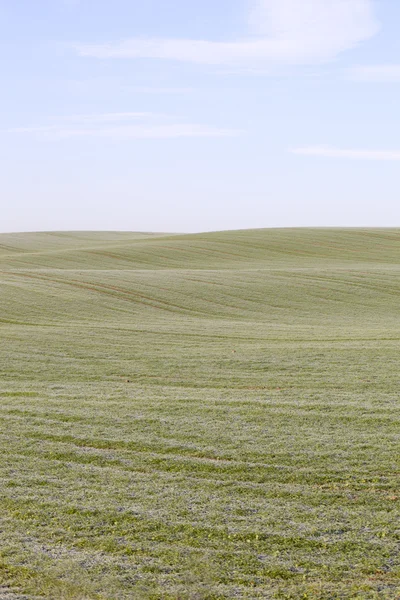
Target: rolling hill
{"points": [[200, 416]]}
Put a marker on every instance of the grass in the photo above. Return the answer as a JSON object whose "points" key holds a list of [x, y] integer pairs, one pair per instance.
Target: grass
{"points": [[200, 417]]}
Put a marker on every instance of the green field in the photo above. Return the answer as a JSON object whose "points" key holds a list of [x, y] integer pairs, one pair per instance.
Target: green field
{"points": [[200, 416]]}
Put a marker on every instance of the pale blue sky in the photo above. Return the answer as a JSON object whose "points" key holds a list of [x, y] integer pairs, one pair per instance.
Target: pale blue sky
{"points": [[179, 115]]}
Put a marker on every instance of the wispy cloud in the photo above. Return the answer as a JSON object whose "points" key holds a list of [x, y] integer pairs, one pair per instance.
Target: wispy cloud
{"points": [[375, 73], [348, 153], [119, 126], [284, 32], [160, 90], [107, 117]]}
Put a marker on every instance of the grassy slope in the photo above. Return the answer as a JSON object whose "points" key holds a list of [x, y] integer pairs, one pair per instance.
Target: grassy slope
{"points": [[203, 416]]}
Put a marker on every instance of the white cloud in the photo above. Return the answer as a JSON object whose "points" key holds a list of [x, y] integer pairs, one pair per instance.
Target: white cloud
{"points": [[348, 153], [119, 126], [107, 117], [288, 32], [375, 73], [159, 90]]}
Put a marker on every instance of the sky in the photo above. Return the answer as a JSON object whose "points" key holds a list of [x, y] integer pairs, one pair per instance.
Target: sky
{"points": [[188, 116]]}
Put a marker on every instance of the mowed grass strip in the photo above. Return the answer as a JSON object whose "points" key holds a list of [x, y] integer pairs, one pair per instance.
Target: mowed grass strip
{"points": [[204, 416]]}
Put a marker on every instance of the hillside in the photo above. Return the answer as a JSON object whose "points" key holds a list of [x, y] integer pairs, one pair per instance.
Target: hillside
{"points": [[213, 414]]}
